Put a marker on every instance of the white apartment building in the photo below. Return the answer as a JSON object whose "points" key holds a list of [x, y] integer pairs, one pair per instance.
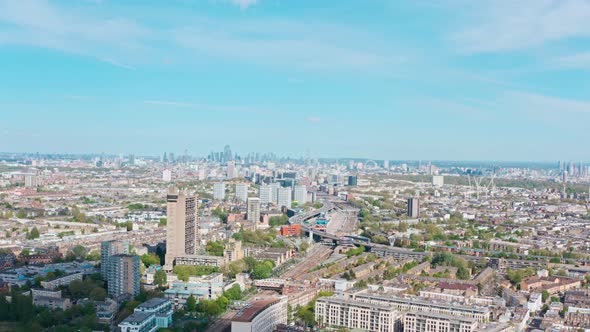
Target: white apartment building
{"points": [[265, 195], [166, 175], [336, 312], [219, 191], [432, 322], [275, 192], [284, 198], [242, 192], [253, 212], [300, 194]]}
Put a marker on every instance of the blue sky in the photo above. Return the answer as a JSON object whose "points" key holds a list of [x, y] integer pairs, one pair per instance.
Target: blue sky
{"points": [[431, 79]]}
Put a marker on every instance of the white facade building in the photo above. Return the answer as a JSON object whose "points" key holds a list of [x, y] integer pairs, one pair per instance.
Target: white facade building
{"points": [[242, 192], [265, 195], [336, 312], [253, 209], [219, 191], [284, 197], [300, 194], [167, 175], [261, 316]]}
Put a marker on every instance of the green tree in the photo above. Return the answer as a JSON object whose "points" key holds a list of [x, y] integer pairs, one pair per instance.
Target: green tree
{"points": [[98, 294], [79, 251], [33, 234], [21, 214], [150, 259], [191, 304], [160, 278], [234, 293]]}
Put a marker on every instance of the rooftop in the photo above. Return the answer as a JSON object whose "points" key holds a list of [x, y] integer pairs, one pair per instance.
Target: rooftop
{"points": [[153, 303], [137, 317], [250, 312]]}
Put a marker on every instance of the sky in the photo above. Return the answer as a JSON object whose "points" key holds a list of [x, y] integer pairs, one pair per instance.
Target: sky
{"points": [[382, 79]]}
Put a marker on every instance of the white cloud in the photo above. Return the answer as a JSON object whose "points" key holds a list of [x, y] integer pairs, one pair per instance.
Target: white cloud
{"points": [[575, 61], [244, 3], [314, 119], [124, 42], [536, 104], [190, 106], [507, 25], [41, 24]]}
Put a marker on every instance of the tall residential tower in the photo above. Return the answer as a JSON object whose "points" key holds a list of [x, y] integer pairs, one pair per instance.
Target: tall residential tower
{"points": [[183, 228]]}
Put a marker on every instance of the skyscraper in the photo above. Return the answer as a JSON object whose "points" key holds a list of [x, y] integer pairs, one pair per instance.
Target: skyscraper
{"points": [[219, 191], [227, 155], [414, 207], [108, 249], [300, 194], [183, 228], [242, 192], [253, 212], [123, 275], [284, 197]]}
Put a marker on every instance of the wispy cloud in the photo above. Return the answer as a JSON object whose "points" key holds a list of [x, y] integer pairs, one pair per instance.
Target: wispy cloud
{"points": [[536, 103], [42, 24], [117, 63], [244, 3], [206, 107], [574, 61], [314, 119], [506, 25], [123, 41]]}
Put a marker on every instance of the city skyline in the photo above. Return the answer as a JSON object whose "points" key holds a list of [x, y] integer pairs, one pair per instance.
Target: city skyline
{"points": [[354, 79]]}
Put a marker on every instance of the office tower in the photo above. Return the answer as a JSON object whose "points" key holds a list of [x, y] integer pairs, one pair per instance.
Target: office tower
{"points": [[265, 194], [386, 164], [242, 192], [413, 207], [227, 155], [284, 197], [166, 175], [131, 159], [253, 212], [352, 180], [231, 169], [438, 180], [123, 275], [219, 191], [300, 194], [108, 249], [171, 157], [564, 177], [183, 228]]}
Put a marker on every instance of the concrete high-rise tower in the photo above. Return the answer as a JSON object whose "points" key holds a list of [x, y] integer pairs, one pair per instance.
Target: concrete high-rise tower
{"points": [[183, 228], [253, 212], [414, 207]]}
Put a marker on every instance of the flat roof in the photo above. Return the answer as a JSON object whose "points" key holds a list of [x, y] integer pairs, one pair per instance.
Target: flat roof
{"points": [[137, 317], [152, 303]]}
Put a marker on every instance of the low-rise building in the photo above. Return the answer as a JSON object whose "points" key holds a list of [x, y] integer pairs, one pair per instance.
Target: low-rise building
{"points": [[433, 322], [208, 287], [161, 307], [335, 312], [139, 322], [261, 316], [62, 281]]}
